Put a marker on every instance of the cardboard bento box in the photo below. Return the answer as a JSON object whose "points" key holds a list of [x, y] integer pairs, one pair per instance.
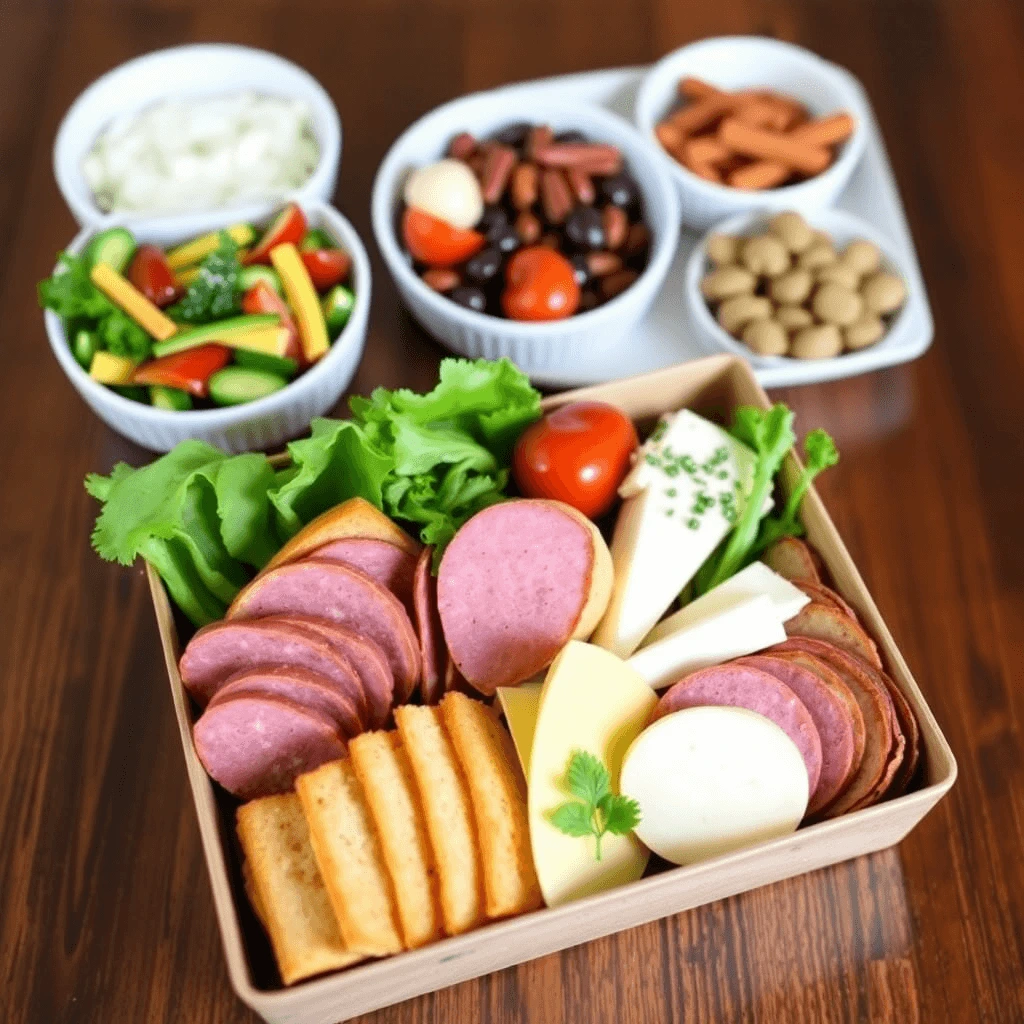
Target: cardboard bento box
{"points": [[713, 387]]}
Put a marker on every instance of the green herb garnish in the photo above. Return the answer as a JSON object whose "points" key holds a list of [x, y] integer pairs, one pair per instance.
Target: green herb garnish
{"points": [[597, 810], [214, 294]]}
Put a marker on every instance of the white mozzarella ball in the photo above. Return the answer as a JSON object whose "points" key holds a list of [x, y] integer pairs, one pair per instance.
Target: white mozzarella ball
{"points": [[447, 190]]}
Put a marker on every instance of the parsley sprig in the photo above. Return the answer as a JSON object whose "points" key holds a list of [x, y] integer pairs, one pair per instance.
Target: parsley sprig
{"points": [[597, 810]]}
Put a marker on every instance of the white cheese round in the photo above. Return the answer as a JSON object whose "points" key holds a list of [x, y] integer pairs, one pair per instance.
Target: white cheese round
{"points": [[447, 190], [710, 780]]}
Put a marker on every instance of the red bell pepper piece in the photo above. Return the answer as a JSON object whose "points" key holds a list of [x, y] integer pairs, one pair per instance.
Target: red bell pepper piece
{"points": [[261, 298], [288, 226], [150, 273], [187, 371], [326, 267]]}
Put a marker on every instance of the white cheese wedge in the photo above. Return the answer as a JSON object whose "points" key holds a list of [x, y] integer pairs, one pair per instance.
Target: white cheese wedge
{"points": [[713, 779], [591, 701], [751, 625], [754, 580], [684, 493]]}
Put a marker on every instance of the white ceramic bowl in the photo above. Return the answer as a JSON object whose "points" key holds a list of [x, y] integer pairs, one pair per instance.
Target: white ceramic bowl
{"points": [[844, 228], [203, 69], [753, 62], [537, 348], [262, 424]]}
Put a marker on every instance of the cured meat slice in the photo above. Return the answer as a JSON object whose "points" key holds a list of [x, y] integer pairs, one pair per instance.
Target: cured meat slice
{"points": [[433, 653], [340, 594], [825, 622], [381, 560], [519, 581], [907, 722], [794, 559], [257, 745], [306, 688], [832, 718], [741, 686], [826, 595]]}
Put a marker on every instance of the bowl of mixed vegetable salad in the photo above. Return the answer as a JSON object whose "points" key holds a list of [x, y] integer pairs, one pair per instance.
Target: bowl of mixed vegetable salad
{"points": [[239, 336]]}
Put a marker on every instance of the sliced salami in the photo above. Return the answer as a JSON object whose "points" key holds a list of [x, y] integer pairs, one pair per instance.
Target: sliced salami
{"points": [[387, 563], [826, 622], [343, 595], [433, 653], [257, 745], [741, 686]]}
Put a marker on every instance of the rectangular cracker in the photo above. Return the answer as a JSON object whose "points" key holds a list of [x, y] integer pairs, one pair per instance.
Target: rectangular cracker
{"points": [[498, 793], [287, 890], [347, 849], [383, 770], [448, 812]]}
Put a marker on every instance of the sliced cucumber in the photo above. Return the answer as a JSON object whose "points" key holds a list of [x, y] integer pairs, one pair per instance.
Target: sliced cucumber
{"points": [[84, 346], [317, 238], [115, 247], [249, 276], [169, 398], [134, 392], [236, 385], [220, 330], [337, 306], [280, 365]]}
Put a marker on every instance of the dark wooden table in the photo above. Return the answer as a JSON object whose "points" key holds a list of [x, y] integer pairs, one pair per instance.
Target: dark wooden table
{"points": [[105, 911]]}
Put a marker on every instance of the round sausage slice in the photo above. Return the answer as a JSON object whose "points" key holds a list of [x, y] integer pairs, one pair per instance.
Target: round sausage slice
{"points": [[225, 648], [518, 582], [257, 745], [433, 653], [831, 717], [378, 683], [382, 561], [313, 692], [741, 686], [826, 622], [343, 595]]}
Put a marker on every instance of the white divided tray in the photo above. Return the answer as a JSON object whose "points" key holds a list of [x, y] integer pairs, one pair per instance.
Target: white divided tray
{"points": [[666, 337]]}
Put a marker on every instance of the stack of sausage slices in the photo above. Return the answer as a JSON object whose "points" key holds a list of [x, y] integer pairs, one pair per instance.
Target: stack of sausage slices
{"points": [[826, 688]]}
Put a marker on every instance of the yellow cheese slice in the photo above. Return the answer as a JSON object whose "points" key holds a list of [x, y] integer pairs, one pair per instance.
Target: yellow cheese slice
{"points": [[591, 700], [520, 705]]}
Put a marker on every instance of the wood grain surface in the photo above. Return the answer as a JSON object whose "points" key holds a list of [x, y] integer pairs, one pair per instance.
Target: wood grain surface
{"points": [[105, 910]]}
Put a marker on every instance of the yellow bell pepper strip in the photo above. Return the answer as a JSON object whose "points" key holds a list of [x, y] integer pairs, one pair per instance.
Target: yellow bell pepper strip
{"points": [[106, 368], [124, 294], [302, 297], [199, 248]]}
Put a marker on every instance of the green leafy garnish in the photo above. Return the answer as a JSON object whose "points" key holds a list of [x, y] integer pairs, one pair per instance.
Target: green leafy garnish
{"points": [[597, 810], [214, 294], [82, 306], [770, 434]]}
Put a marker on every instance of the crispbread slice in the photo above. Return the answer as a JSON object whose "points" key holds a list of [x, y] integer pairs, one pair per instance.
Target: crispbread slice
{"points": [[287, 890], [347, 849], [448, 812], [498, 793], [382, 767]]}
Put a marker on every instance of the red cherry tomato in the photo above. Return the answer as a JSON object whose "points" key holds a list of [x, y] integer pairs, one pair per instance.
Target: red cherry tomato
{"points": [[578, 454], [261, 298], [435, 242], [326, 267], [187, 371], [150, 273], [288, 226], [540, 285]]}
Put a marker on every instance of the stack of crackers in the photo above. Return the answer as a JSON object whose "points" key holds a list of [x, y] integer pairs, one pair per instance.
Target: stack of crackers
{"points": [[420, 832]]}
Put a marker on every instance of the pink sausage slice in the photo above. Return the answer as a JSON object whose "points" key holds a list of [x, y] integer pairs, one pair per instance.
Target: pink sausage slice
{"points": [[378, 683], [433, 654], [511, 589], [311, 691], [831, 718], [386, 563], [224, 648], [343, 595], [740, 686], [257, 745]]}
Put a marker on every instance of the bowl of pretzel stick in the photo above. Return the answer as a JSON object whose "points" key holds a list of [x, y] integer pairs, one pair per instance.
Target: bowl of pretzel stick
{"points": [[749, 123]]}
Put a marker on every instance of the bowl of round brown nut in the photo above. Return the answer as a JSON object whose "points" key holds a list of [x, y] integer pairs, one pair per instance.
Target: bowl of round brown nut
{"points": [[774, 286]]}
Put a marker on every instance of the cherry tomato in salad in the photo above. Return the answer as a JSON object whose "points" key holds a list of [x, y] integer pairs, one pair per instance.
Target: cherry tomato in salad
{"points": [[578, 454], [150, 273], [326, 267], [540, 284], [261, 298], [187, 371], [436, 242], [288, 226]]}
